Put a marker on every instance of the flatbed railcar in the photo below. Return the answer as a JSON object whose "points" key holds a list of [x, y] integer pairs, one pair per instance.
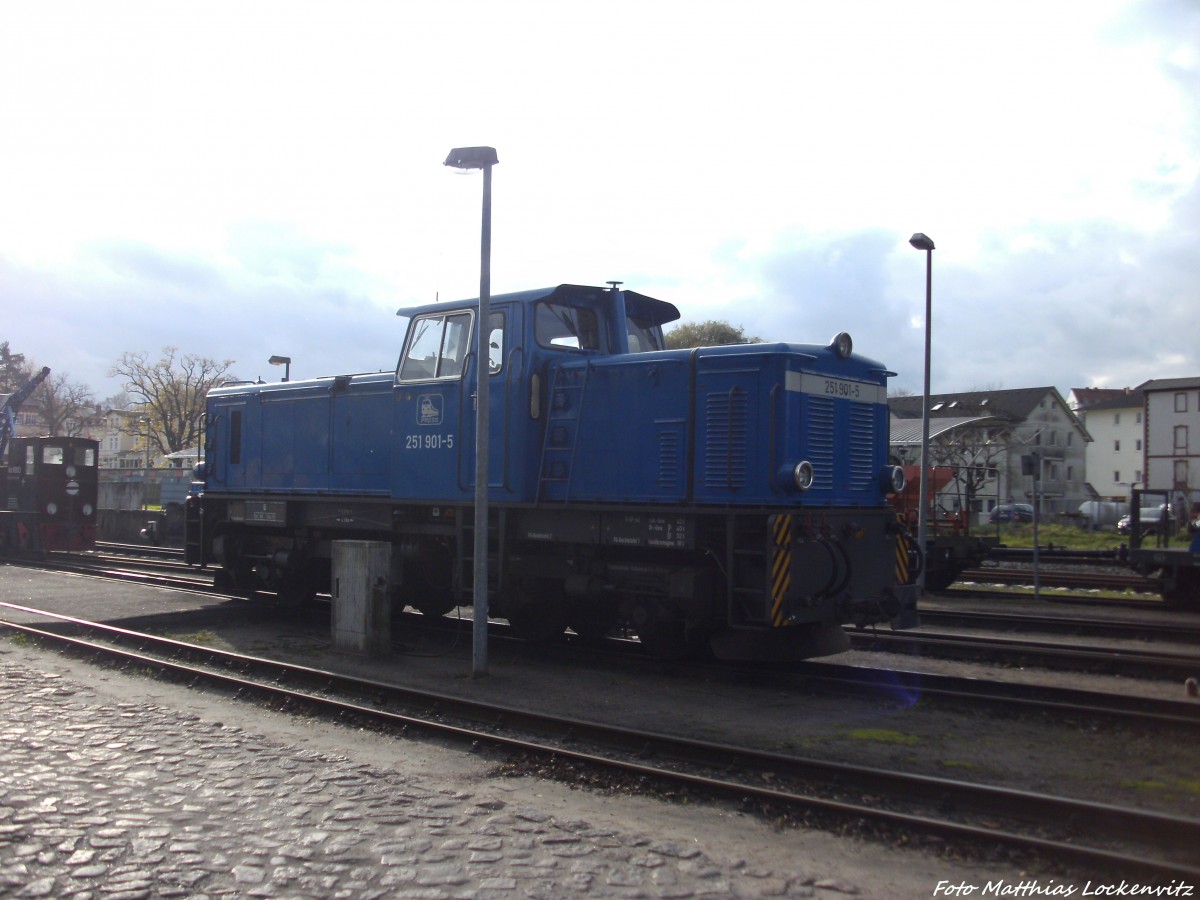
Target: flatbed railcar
{"points": [[731, 496], [50, 487], [1175, 570], [951, 547]]}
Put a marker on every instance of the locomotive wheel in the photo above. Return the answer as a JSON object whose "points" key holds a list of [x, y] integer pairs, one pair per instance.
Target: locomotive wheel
{"points": [[667, 639], [434, 603], [1185, 594], [593, 621], [297, 588], [540, 613], [940, 579], [427, 582]]}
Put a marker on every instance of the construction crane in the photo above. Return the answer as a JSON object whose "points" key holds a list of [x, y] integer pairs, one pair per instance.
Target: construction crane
{"points": [[8, 417]]}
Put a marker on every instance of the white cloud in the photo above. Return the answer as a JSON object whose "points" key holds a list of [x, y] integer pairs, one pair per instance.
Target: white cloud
{"points": [[209, 175]]}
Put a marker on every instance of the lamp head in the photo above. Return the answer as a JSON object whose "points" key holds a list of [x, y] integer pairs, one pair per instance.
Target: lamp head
{"points": [[921, 241], [472, 157]]}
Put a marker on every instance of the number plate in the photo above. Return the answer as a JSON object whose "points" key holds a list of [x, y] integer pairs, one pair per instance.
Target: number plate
{"points": [[836, 388]]}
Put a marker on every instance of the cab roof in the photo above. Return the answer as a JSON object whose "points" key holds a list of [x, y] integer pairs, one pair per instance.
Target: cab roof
{"points": [[658, 312]]}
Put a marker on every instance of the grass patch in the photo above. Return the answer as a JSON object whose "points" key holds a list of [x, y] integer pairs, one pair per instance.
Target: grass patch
{"points": [[1175, 785], [883, 736], [195, 637], [1069, 536]]}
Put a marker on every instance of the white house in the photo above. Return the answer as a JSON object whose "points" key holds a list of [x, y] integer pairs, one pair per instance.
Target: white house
{"points": [[1172, 438], [1115, 420], [1018, 423]]}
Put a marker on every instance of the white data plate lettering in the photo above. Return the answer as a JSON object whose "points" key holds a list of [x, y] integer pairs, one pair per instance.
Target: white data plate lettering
{"points": [[835, 388]]}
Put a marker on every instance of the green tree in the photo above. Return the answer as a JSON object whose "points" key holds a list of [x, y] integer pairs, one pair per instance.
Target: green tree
{"points": [[13, 370], [707, 334], [171, 393]]}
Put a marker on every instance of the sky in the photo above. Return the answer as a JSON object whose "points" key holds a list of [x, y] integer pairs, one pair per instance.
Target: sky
{"points": [[240, 180]]}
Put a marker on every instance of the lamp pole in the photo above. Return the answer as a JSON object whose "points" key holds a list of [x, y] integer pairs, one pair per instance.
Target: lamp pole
{"points": [[923, 242], [146, 480], [480, 158]]}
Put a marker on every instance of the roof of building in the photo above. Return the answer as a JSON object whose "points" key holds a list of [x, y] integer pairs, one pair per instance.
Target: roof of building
{"points": [[1171, 384], [908, 431], [1089, 397], [1124, 398], [1016, 404]]}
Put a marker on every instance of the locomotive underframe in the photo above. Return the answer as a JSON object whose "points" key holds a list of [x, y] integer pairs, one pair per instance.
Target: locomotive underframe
{"points": [[678, 577]]}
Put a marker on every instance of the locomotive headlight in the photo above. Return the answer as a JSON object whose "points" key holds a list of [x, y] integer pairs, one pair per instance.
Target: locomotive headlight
{"points": [[842, 345], [52, 508], [803, 475], [892, 479]]}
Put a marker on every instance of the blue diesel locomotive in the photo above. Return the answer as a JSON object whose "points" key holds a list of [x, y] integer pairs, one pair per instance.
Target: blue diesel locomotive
{"points": [[732, 496]]}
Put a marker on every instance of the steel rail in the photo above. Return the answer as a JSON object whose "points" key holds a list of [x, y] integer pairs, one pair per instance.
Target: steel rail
{"points": [[1057, 578], [1158, 833], [1046, 653], [1123, 628]]}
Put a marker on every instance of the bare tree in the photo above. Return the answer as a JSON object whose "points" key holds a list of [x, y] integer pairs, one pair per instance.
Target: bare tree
{"points": [[974, 453], [171, 393], [66, 405]]}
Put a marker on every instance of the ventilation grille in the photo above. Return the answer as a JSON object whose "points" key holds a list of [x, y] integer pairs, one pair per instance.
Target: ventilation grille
{"points": [[819, 433], [668, 459], [725, 440], [862, 440]]}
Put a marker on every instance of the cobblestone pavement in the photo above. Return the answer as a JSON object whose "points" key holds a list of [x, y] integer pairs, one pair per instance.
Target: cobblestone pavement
{"points": [[111, 799]]}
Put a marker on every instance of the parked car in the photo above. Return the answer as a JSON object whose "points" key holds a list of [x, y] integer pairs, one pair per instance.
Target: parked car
{"points": [[1012, 512], [1151, 519]]}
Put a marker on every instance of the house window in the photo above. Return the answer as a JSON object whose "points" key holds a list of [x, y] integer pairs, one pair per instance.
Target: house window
{"points": [[1137, 475], [1116, 476], [1070, 473], [1070, 439], [1054, 439], [1116, 445], [1181, 471], [1116, 418], [1181, 402], [1139, 418], [1181, 438], [1139, 444]]}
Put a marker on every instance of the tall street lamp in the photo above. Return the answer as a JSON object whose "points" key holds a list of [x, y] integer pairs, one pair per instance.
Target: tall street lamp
{"points": [[481, 158], [286, 362], [146, 480], [923, 242]]}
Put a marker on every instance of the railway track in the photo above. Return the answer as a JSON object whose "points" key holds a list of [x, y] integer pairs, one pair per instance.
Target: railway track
{"points": [[1127, 629], [1098, 836], [1143, 663], [1028, 652], [1058, 577]]}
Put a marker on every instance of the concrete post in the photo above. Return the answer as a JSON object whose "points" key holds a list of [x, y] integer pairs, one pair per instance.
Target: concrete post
{"points": [[362, 612]]}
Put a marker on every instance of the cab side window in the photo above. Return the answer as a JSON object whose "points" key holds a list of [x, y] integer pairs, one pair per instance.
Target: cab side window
{"points": [[567, 327], [496, 343], [437, 347]]}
